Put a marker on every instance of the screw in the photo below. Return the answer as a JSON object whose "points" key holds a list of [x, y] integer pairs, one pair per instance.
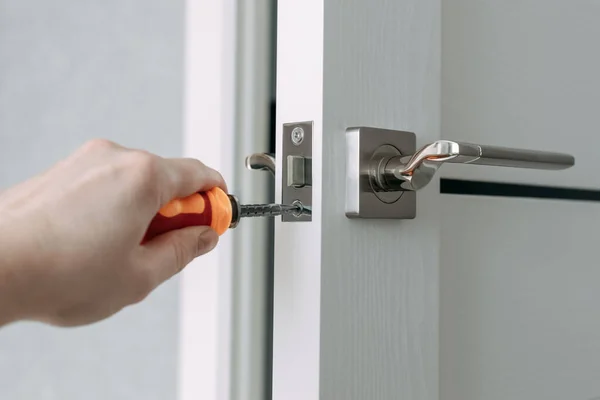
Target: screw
{"points": [[297, 136], [300, 211]]}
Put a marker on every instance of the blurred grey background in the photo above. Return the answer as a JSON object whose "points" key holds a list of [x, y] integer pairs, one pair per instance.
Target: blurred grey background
{"points": [[72, 70]]}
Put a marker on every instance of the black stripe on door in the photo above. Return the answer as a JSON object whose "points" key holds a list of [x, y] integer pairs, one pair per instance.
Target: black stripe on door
{"points": [[481, 188]]}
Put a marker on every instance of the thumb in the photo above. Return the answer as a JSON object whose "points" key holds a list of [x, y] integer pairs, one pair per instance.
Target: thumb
{"points": [[170, 252]]}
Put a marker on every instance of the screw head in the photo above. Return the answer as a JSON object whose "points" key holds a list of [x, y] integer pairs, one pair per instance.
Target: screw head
{"points": [[297, 136], [300, 211]]}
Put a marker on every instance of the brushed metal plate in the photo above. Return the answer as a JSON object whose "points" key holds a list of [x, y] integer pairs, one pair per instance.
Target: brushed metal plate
{"points": [[363, 144], [289, 193]]}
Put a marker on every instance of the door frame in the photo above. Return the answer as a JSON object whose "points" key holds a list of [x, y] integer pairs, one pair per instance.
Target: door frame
{"points": [[223, 296]]}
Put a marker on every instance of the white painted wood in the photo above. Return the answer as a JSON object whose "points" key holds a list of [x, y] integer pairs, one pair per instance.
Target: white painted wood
{"points": [[519, 309], [356, 301], [519, 277], [206, 284]]}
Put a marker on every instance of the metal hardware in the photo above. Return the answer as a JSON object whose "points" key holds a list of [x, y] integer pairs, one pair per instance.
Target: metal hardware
{"points": [[236, 211], [261, 162], [299, 168], [299, 171], [364, 148], [270, 210], [240, 211], [301, 209], [297, 135], [296, 185], [384, 169]]}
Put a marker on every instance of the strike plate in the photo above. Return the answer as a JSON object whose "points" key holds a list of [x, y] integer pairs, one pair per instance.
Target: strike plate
{"points": [[364, 147], [297, 145]]}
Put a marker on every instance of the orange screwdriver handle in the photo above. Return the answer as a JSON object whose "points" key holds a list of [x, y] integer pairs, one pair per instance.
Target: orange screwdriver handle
{"points": [[212, 208]]}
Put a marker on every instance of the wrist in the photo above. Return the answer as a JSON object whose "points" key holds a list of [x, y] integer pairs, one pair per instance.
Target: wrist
{"points": [[13, 277], [9, 298]]}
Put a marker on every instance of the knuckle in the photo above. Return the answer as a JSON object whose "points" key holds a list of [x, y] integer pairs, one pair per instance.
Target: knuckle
{"points": [[211, 174], [98, 145], [198, 164], [146, 170], [202, 245], [180, 255], [144, 161], [219, 176]]}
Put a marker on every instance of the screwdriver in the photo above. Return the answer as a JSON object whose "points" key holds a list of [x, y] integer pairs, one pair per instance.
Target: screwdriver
{"points": [[214, 208]]}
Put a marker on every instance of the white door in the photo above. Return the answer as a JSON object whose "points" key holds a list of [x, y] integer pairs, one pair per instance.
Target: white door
{"points": [[520, 277], [491, 291], [356, 301]]}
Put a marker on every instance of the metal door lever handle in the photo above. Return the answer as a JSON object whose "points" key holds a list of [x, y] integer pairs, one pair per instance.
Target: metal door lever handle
{"points": [[384, 168], [261, 162], [299, 169], [410, 173]]}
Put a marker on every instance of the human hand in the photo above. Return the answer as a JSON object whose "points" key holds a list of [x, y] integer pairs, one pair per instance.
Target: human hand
{"points": [[70, 251]]}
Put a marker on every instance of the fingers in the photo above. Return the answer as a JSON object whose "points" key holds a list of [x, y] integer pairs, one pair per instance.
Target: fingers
{"points": [[187, 176], [154, 177], [184, 176], [169, 253]]}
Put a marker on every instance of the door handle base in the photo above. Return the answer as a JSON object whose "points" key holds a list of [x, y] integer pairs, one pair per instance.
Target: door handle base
{"points": [[365, 147]]}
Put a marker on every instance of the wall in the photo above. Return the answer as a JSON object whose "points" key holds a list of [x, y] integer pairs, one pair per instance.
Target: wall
{"points": [[71, 70]]}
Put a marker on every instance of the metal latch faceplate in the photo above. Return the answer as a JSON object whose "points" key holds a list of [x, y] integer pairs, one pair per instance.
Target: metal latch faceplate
{"points": [[296, 177]]}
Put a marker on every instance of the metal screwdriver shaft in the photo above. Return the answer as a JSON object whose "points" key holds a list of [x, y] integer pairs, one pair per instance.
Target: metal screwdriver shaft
{"points": [[268, 210], [240, 211]]}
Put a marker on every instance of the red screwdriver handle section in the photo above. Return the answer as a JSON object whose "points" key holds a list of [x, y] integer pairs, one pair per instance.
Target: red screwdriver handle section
{"points": [[212, 208]]}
